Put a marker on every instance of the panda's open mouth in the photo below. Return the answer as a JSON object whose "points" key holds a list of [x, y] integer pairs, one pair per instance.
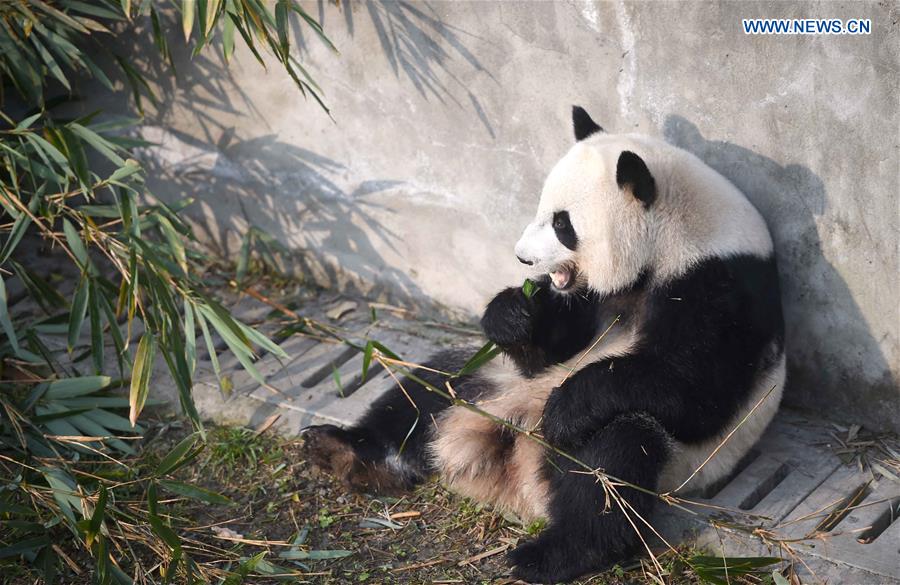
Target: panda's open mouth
{"points": [[564, 276]]}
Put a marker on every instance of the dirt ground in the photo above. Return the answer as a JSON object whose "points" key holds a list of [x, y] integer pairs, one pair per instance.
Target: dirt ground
{"points": [[430, 536], [312, 531]]}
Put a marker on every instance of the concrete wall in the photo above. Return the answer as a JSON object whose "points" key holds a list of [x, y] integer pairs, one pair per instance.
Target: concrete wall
{"points": [[448, 115]]}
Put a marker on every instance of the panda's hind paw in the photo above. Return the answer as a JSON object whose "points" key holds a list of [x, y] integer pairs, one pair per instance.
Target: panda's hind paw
{"points": [[329, 449], [551, 558]]}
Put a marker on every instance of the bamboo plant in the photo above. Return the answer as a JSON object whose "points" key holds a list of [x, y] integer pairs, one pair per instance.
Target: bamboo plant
{"points": [[77, 354]]}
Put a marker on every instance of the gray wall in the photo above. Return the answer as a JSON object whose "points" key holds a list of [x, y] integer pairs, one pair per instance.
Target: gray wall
{"points": [[448, 115]]}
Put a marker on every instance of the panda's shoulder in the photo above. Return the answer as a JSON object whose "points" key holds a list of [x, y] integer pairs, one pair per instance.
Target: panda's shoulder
{"points": [[737, 292]]}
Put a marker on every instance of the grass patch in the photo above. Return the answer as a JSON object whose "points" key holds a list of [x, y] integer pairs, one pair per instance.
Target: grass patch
{"points": [[282, 515]]}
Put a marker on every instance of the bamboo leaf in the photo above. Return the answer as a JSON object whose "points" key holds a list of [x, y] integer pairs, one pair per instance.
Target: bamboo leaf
{"points": [[225, 325], [227, 38], [187, 18], [29, 545], [75, 155], [99, 512], [212, 13], [5, 320], [43, 294], [114, 331], [194, 492], [240, 350], [313, 24], [111, 420], [75, 244], [281, 24], [27, 122], [487, 352], [96, 327], [162, 530], [19, 227], [174, 241], [182, 453], [244, 256], [45, 414], [224, 383], [91, 428], [384, 350], [77, 313], [62, 16], [72, 387], [128, 168], [314, 555], [174, 354], [99, 143], [140, 378], [136, 82], [248, 39], [92, 10], [190, 337], [52, 66], [160, 38], [779, 579], [103, 402], [367, 359], [64, 491], [102, 555], [719, 570], [261, 340], [47, 149]]}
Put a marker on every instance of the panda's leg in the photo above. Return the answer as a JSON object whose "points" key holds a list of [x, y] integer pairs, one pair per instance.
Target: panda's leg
{"points": [[387, 450], [582, 536], [372, 456]]}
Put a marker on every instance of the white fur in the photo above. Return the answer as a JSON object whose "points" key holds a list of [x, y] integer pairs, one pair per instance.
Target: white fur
{"points": [[540, 244], [462, 445], [697, 214], [464, 441]]}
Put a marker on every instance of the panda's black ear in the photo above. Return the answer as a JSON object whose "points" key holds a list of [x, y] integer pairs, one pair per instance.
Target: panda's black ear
{"points": [[633, 175], [583, 124]]}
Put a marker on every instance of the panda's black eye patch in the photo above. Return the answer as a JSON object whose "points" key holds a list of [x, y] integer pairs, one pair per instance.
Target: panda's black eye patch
{"points": [[565, 233]]}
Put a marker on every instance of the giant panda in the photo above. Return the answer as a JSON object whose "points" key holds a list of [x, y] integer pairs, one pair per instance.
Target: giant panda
{"points": [[656, 329]]}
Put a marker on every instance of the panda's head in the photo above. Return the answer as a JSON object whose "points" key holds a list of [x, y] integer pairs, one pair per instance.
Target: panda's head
{"points": [[593, 224]]}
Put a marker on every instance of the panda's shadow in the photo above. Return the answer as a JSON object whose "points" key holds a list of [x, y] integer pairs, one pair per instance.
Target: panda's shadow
{"points": [[831, 350]]}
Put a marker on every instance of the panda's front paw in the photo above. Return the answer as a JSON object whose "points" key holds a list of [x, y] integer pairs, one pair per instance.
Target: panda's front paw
{"points": [[509, 317]]}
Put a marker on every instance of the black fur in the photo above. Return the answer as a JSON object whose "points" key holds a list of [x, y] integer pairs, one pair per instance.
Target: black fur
{"points": [[546, 329], [704, 338], [584, 536], [392, 421], [565, 233], [582, 123], [632, 173]]}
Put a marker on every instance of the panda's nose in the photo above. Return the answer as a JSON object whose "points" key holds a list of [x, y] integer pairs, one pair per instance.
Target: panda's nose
{"points": [[524, 261]]}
